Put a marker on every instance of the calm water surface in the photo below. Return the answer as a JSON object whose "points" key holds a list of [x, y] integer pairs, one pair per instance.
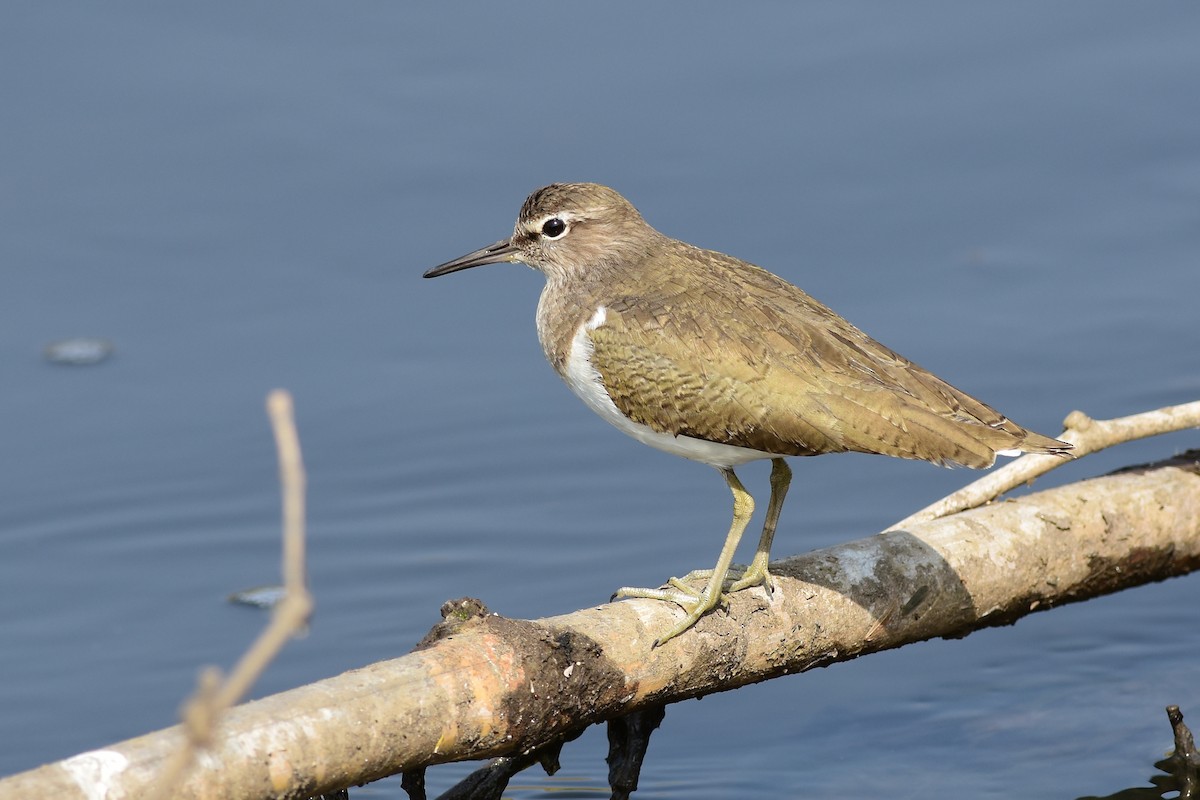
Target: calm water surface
{"points": [[241, 197]]}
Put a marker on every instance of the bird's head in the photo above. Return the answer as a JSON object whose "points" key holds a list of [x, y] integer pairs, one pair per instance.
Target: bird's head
{"points": [[567, 230]]}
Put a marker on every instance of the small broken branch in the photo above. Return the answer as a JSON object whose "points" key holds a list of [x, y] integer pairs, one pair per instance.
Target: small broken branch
{"points": [[1088, 436], [1184, 763], [489, 782], [628, 738]]}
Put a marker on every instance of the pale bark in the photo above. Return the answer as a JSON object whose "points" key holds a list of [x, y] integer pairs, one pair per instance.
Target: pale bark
{"points": [[486, 685], [1086, 434]]}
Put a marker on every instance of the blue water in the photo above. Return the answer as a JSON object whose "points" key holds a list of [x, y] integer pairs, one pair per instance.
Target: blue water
{"points": [[243, 196]]}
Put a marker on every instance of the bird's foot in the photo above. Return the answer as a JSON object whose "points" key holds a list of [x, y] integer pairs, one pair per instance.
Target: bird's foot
{"points": [[739, 576], [754, 575], [695, 603], [682, 595]]}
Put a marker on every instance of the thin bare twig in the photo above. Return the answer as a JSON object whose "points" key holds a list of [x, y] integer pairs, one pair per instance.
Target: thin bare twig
{"points": [[1088, 436], [213, 696]]}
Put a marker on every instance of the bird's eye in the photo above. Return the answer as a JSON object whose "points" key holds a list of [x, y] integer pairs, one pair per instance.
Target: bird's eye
{"points": [[554, 228]]}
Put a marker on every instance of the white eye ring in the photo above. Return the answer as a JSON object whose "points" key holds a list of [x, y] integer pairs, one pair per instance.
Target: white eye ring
{"points": [[554, 228]]}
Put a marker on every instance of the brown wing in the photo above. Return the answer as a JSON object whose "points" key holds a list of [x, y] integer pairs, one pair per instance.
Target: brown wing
{"points": [[762, 365]]}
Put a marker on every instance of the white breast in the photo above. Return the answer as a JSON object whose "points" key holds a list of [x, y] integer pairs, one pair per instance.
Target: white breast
{"points": [[585, 381]]}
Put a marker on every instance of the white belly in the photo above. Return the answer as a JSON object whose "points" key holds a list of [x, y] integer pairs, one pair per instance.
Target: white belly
{"points": [[585, 381]]}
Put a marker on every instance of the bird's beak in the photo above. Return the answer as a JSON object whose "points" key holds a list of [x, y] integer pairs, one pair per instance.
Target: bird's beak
{"points": [[498, 253]]}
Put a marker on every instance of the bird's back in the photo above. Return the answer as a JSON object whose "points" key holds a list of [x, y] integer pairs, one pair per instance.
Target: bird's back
{"points": [[714, 348]]}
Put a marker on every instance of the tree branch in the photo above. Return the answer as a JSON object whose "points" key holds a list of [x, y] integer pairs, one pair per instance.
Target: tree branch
{"points": [[484, 686], [1088, 436]]}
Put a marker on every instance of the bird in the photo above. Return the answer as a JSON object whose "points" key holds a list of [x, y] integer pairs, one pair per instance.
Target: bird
{"points": [[705, 356]]}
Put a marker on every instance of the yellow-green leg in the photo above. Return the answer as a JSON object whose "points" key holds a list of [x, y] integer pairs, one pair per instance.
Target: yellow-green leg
{"points": [[696, 604], [756, 574]]}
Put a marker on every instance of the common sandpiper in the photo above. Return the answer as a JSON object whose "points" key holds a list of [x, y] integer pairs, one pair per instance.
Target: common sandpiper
{"points": [[708, 357]]}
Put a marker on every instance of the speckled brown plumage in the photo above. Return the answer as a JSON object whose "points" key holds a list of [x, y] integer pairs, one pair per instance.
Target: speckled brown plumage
{"points": [[697, 343]]}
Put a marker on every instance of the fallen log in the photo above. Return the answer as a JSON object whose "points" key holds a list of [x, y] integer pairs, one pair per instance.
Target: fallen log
{"points": [[482, 685]]}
